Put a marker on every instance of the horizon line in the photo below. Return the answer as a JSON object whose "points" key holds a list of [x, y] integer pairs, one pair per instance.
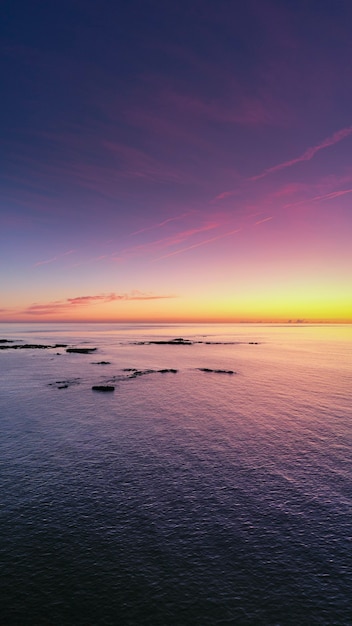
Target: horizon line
{"points": [[293, 322]]}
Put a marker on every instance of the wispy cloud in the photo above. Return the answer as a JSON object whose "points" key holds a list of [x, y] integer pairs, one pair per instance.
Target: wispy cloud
{"points": [[53, 259], [164, 242], [64, 306], [266, 219], [308, 154], [200, 243], [161, 224], [327, 196], [225, 194]]}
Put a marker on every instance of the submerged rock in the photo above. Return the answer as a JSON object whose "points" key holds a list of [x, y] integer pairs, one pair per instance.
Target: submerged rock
{"points": [[103, 388], [179, 341], [29, 346], [208, 369], [81, 350], [134, 373], [101, 363], [64, 384]]}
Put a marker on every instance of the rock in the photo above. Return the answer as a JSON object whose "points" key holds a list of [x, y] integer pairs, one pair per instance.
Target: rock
{"points": [[179, 341], [101, 363], [207, 369], [64, 384], [30, 346], [103, 388], [136, 373], [81, 350], [166, 371]]}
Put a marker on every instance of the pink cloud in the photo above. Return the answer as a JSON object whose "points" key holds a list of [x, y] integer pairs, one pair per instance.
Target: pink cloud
{"points": [[161, 224], [165, 242], [138, 164], [288, 190], [309, 153], [224, 195], [238, 109], [82, 301], [327, 196], [265, 219], [200, 243], [54, 258]]}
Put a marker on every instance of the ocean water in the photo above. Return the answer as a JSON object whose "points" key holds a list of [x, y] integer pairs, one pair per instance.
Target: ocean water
{"points": [[182, 498]]}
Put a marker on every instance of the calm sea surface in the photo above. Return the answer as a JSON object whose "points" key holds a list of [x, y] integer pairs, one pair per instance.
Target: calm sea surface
{"points": [[191, 498]]}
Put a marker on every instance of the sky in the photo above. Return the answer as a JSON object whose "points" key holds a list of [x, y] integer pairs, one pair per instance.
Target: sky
{"points": [[185, 161]]}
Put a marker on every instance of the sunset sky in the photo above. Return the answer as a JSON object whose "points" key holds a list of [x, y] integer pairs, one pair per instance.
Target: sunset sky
{"points": [[176, 160]]}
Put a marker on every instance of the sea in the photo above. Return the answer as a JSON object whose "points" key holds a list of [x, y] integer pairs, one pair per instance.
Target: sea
{"points": [[211, 486]]}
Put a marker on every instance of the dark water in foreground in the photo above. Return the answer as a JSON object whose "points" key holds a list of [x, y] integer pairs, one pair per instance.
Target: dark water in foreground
{"points": [[180, 499]]}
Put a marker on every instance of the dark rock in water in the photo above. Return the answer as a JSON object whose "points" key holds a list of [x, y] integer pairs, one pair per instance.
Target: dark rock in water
{"points": [[6, 340], [101, 363], [207, 369], [64, 384], [253, 343], [103, 388], [136, 373], [179, 341], [29, 346], [81, 350]]}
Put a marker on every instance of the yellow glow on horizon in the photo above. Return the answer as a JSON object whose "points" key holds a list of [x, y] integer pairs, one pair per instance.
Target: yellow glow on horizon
{"points": [[264, 305]]}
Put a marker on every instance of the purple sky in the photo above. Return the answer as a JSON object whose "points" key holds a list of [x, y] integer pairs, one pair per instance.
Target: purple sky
{"points": [[176, 160]]}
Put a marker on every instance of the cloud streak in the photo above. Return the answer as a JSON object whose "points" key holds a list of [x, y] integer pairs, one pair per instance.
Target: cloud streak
{"points": [[165, 242], [200, 243], [327, 196], [266, 219], [161, 224], [308, 154], [53, 259], [70, 304]]}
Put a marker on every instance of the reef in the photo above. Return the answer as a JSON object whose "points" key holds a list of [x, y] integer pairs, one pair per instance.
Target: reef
{"points": [[166, 342], [103, 388], [135, 373], [29, 346], [101, 363], [81, 350], [179, 341], [209, 370], [64, 384]]}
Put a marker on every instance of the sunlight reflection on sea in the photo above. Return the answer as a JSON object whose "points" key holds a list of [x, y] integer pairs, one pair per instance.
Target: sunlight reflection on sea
{"points": [[181, 498]]}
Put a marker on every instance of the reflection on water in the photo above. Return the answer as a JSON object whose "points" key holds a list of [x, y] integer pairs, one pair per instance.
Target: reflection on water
{"points": [[182, 498]]}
